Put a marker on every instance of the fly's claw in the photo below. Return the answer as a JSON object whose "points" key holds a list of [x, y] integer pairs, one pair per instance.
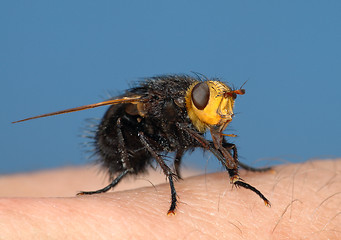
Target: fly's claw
{"points": [[267, 203], [171, 212]]}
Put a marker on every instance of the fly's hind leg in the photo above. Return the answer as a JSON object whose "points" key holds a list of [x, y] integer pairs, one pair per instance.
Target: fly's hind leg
{"points": [[167, 171], [124, 160], [107, 188], [231, 146]]}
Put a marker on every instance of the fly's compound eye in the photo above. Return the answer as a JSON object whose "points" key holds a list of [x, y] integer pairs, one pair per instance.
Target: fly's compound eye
{"points": [[200, 95]]}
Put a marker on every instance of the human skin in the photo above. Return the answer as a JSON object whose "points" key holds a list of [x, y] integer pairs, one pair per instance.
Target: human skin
{"points": [[305, 204]]}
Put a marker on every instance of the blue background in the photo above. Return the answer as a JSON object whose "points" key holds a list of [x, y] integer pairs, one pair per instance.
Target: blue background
{"points": [[61, 54]]}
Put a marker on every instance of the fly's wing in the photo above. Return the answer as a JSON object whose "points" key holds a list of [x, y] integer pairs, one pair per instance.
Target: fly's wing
{"points": [[126, 99]]}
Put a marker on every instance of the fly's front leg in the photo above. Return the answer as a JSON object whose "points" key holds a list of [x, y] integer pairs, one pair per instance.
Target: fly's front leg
{"points": [[224, 156], [233, 147], [226, 159], [167, 171], [230, 162], [233, 169]]}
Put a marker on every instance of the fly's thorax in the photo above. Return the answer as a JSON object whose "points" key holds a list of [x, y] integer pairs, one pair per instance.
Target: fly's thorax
{"points": [[210, 103]]}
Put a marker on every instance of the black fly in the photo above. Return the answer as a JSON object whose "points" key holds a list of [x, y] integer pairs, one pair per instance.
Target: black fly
{"points": [[167, 113]]}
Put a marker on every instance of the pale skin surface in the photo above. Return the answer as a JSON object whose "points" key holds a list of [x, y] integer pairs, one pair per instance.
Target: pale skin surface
{"points": [[305, 198]]}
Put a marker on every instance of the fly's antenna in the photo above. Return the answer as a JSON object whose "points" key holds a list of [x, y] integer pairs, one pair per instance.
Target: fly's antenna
{"points": [[240, 91], [241, 87]]}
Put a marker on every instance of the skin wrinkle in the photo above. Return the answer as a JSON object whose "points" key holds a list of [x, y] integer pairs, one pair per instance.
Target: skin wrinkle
{"points": [[279, 179], [72, 215], [203, 225], [209, 210], [198, 209], [315, 188], [224, 212], [191, 234], [92, 214], [114, 222]]}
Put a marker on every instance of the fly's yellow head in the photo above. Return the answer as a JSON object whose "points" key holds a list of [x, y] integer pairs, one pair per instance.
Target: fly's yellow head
{"points": [[210, 104]]}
